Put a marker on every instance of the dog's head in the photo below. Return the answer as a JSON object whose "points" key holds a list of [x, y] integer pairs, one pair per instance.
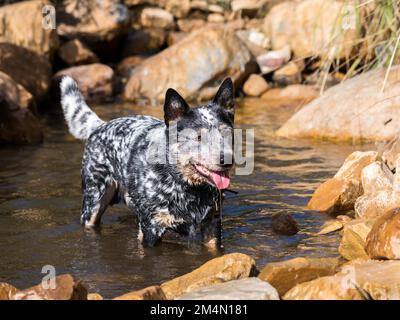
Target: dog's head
{"points": [[201, 139]]}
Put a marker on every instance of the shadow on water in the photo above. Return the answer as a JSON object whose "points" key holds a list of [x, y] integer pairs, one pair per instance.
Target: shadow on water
{"points": [[40, 204]]}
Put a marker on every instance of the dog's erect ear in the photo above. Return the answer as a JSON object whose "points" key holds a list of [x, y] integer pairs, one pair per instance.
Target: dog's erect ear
{"points": [[174, 106], [225, 96]]}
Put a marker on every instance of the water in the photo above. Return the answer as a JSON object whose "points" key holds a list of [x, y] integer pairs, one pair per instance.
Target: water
{"points": [[40, 204]]}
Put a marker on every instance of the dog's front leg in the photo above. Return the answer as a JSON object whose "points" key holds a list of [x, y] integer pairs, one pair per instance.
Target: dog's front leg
{"points": [[149, 235], [211, 231]]}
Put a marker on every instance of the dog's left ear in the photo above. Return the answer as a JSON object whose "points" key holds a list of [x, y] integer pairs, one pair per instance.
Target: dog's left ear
{"points": [[174, 106], [225, 96]]}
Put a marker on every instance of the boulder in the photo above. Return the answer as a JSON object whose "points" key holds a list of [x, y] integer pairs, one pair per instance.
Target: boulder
{"points": [[22, 25], [189, 25], [284, 223], [92, 21], [243, 289], [310, 27], [215, 18], [126, 67], [391, 152], [7, 291], [149, 293], [156, 18], [74, 52], [353, 165], [365, 111], [286, 274], [273, 60], [67, 288], [383, 241], [335, 195], [143, 41], [288, 74], [248, 7], [293, 95], [331, 226], [186, 66], [352, 245], [372, 206], [228, 267], [18, 124], [255, 86], [376, 177], [94, 80], [255, 41], [34, 76], [175, 36], [178, 8]]}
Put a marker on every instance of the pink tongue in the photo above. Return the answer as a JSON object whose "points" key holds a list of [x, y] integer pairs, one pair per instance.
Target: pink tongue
{"points": [[220, 180]]}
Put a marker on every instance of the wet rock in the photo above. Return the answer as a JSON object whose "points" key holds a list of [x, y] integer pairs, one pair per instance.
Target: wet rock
{"points": [[94, 296], [156, 18], [376, 177], [67, 288], [149, 293], [372, 206], [294, 95], [286, 274], [18, 124], [352, 245], [178, 8], [94, 80], [175, 37], [344, 219], [34, 76], [335, 195], [243, 289], [273, 60], [391, 152], [255, 86], [92, 21], [21, 24], [74, 52], [144, 41], [383, 241], [331, 226], [365, 111], [229, 267], [284, 223], [255, 41], [288, 74], [309, 27], [354, 164], [191, 59], [7, 291], [189, 25]]}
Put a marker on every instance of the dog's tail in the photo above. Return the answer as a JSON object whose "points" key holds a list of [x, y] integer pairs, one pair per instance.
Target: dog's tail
{"points": [[80, 119]]}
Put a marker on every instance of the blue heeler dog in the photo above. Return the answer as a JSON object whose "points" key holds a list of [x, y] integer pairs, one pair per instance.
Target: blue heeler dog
{"points": [[180, 190]]}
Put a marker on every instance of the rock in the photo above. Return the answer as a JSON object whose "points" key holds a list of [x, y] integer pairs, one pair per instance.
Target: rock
{"points": [[255, 41], [310, 27], [372, 206], [354, 237], [243, 289], [344, 219], [66, 289], [92, 21], [94, 80], [149, 293], [284, 223], [354, 164], [215, 18], [335, 195], [126, 67], [330, 226], [94, 296], [188, 65], [215, 8], [273, 60], [286, 274], [156, 18], [376, 177], [295, 94], [207, 93], [18, 124], [74, 52], [248, 7], [255, 86], [391, 152], [175, 37], [144, 41], [21, 24], [383, 241], [365, 111], [376, 280], [178, 8], [189, 25], [228, 267], [7, 291], [34, 76], [288, 74], [201, 5]]}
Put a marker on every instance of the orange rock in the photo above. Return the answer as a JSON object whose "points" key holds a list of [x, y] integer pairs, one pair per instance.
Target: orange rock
{"points": [[383, 242], [94, 296], [352, 245], [74, 52], [149, 293], [255, 86], [7, 291], [296, 94]]}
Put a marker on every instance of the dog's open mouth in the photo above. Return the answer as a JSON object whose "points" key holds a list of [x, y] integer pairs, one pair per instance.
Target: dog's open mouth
{"points": [[220, 179]]}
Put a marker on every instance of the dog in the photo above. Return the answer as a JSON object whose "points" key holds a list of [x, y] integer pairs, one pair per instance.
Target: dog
{"points": [[182, 191]]}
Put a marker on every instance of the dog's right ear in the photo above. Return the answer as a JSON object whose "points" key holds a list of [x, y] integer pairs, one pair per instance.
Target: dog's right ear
{"points": [[174, 106]]}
